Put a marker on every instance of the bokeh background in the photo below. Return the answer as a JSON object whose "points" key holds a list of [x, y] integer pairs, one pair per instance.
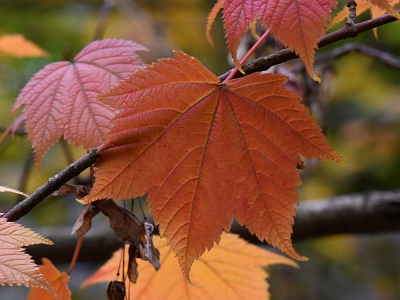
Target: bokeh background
{"points": [[358, 105]]}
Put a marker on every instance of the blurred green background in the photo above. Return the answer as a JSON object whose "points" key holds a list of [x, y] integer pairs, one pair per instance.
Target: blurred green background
{"points": [[359, 109]]}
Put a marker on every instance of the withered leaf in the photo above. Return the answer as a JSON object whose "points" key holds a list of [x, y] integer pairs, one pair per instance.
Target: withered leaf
{"points": [[132, 263], [78, 190], [148, 251], [84, 221], [116, 290], [125, 224]]}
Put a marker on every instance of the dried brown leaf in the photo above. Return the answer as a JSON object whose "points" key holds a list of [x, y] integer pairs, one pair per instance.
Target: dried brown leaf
{"points": [[77, 190], [84, 221], [125, 224]]}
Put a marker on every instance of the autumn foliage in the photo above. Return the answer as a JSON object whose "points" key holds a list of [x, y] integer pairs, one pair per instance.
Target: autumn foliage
{"points": [[232, 270], [204, 150]]}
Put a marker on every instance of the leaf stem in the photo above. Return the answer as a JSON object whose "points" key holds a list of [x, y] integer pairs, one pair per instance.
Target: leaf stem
{"points": [[76, 254], [52, 185], [249, 53], [265, 62]]}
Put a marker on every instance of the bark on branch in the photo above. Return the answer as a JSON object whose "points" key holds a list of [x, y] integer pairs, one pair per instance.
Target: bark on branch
{"points": [[370, 212], [260, 64], [52, 185], [348, 31]]}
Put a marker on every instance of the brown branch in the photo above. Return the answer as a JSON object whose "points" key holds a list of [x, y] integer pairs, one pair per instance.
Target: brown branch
{"points": [[18, 131], [260, 64], [382, 56], [104, 12], [265, 62], [52, 185], [370, 212], [351, 20]]}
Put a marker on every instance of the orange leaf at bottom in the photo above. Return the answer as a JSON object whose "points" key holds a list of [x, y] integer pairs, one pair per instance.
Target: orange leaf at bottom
{"points": [[231, 270], [58, 280]]}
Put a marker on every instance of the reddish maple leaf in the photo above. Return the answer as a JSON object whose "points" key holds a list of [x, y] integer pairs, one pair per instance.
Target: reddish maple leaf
{"points": [[231, 270], [58, 280], [206, 150], [297, 23], [61, 98]]}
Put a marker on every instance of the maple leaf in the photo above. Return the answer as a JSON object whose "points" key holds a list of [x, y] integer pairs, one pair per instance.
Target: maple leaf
{"points": [[297, 23], [58, 280], [232, 270], [61, 98], [205, 151], [377, 7], [16, 45], [16, 266]]}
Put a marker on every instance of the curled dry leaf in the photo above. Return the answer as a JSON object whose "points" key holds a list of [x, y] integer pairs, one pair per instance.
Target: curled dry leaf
{"points": [[125, 224], [128, 230], [77, 190], [148, 251], [84, 221], [132, 263]]}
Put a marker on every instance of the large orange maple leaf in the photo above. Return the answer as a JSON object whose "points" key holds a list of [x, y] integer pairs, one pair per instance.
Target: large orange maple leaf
{"points": [[206, 151], [61, 98], [232, 270], [299, 24]]}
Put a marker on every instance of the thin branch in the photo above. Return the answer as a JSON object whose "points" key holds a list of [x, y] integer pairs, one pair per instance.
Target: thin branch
{"points": [[260, 64], [52, 185], [352, 5], [365, 213], [104, 12], [23, 181], [265, 62], [385, 57], [382, 56], [18, 131]]}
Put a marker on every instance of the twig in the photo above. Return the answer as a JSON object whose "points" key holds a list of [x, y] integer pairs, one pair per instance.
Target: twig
{"points": [[265, 62], [53, 184], [104, 12], [67, 151], [29, 161], [371, 212], [384, 57], [260, 64], [18, 131], [352, 5]]}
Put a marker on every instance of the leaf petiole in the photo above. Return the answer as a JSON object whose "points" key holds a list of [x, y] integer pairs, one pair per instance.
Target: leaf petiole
{"points": [[248, 54]]}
